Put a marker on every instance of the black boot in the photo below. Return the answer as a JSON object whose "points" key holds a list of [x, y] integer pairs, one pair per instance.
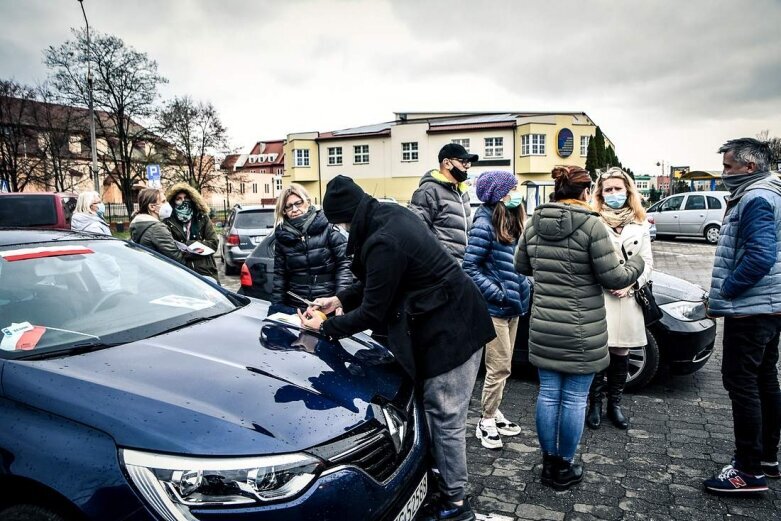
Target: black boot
{"points": [[616, 379], [550, 465], [567, 475], [595, 396]]}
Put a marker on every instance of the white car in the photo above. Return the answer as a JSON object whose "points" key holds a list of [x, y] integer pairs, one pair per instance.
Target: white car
{"points": [[691, 214]]}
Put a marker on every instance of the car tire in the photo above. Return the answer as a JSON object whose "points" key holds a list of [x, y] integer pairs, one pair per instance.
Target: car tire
{"points": [[712, 234], [643, 363], [230, 270], [29, 513]]}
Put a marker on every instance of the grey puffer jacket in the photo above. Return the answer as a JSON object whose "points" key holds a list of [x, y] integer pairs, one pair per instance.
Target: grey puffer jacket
{"points": [[148, 231], [444, 207], [87, 222], [567, 249]]}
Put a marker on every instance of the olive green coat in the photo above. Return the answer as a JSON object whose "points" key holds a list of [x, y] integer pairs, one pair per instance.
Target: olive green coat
{"points": [[568, 251]]}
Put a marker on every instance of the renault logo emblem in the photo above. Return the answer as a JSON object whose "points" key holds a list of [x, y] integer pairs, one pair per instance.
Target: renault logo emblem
{"points": [[397, 427]]}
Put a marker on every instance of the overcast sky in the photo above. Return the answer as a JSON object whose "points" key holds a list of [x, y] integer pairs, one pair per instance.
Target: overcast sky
{"points": [[666, 80]]}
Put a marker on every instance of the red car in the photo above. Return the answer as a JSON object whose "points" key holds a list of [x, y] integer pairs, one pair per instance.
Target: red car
{"points": [[37, 210]]}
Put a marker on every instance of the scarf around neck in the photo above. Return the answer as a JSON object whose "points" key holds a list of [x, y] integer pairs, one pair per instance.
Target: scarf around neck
{"points": [[618, 217]]}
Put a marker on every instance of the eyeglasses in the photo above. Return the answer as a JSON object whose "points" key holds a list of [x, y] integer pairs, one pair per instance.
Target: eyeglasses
{"points": [[465, 162], [297, 205]]}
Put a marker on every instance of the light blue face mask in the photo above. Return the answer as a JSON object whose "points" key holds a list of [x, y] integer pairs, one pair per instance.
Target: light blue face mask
{"points": [[101, 210], [515, 200], [615, 201]]}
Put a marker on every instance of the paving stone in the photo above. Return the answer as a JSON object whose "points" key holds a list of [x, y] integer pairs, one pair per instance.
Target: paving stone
{"points": [[538, 512]]}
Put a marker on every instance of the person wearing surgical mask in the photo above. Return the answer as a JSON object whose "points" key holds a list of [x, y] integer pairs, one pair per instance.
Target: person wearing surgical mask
{"points": [[494, 235], [89, 215], [146, 228], [189, 222], [617, 201]]}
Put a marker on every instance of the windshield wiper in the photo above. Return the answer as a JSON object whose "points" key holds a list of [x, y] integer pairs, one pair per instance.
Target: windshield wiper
{"points": [[74, 349]]}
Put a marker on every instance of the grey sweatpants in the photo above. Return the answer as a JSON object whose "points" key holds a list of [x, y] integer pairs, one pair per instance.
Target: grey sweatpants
{"points": [[446, 403]]}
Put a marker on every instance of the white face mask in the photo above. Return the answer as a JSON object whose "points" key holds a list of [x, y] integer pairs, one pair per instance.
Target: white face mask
{"points": [[165, 211]]}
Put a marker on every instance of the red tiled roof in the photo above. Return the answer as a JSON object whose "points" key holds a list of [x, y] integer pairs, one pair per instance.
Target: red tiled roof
{"points": [[229, 161]]}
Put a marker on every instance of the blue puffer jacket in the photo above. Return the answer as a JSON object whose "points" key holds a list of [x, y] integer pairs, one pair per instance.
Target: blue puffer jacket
{"points": [[747, 268], [490, 264]]}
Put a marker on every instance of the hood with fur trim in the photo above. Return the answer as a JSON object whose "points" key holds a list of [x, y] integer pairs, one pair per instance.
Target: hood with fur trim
{"points": [[195, 197]]}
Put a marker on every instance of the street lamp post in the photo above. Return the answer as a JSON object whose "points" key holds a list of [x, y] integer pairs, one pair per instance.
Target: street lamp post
{"points": [[93, 147], [661, 164]]}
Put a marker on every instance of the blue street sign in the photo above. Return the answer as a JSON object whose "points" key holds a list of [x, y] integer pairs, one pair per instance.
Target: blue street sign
{"points": [[153, 172], [4, 186]]}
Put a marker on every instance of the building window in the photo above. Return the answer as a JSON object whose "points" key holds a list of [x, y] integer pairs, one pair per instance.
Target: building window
{"points": [[494, 147], [463, 142], [361, 154], [409, 151], [584, 145], [266, 186], [254, 188], [241, 188], [533, 145], [278, 183], [230, 188], [302, 156], [334, 156]]}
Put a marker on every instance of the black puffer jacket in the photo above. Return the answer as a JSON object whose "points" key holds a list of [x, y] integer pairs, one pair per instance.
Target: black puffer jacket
{"points": [[311, 263]]}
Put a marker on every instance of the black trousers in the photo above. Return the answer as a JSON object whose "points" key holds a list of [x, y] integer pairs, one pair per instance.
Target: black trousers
{"points": [[750, 377]]}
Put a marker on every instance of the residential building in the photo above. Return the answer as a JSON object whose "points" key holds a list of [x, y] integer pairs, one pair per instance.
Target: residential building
{"points": [[253, 178], [643, 184], [387, 159]]}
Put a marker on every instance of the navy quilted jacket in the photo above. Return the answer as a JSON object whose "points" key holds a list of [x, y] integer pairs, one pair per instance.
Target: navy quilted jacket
{"points": [[490, 264]]}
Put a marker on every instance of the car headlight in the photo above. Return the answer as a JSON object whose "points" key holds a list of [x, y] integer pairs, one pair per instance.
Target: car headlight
{"points": [[686, 311], [172, 484]]}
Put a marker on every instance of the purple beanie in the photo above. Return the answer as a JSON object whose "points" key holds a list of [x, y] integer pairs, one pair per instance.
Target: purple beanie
{"points": [[492, 186]]}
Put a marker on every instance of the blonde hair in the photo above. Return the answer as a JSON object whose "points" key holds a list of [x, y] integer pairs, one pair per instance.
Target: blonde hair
{"points": [[632, 195], [293, 189], [85, 201]]}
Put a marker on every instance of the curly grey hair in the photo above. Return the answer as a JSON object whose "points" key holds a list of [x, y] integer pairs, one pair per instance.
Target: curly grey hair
{"points": [[747, 150]]}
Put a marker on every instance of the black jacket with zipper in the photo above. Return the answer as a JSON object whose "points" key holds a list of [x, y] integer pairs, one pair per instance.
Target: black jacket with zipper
{"points": [[311, 262]]}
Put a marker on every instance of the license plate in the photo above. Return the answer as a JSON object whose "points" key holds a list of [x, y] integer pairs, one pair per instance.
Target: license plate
{"points": [[256, 239], [413, 503]]}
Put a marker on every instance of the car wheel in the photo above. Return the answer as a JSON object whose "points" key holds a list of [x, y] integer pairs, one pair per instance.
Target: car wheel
{"points": [[29, 513], [230, 270], [712, 234], [643, 363]]}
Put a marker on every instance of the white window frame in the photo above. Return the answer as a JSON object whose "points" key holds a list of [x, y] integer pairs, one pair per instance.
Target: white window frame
{"points": [[361, 154], [584, 140], [278, 183], [533, 145], [409, 151], [334, 156], [302, 157], [494, 147], [464, 142]]}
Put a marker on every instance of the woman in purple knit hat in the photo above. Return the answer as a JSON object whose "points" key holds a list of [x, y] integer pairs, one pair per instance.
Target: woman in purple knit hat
{"points": [[488, 260]]}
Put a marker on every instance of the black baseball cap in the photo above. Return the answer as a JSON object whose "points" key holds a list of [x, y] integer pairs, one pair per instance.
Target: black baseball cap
{"points": [[455, 151]]}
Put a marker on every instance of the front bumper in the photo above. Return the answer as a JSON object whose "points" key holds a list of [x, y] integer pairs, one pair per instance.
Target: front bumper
{"points": [[685, 346]]}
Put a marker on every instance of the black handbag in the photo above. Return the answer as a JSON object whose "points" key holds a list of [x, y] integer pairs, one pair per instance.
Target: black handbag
{"points": [[644, 296]]}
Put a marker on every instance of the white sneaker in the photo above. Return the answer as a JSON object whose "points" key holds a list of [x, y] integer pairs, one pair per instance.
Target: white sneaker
{"points": [[505, 426], [487, 434]]}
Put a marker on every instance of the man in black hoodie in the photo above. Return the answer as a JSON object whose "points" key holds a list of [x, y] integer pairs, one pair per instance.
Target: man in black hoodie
{"points": [[436, 319]]}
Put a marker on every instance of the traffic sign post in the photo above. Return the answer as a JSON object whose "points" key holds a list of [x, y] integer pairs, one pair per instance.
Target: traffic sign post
{"points": [[153, 176]]}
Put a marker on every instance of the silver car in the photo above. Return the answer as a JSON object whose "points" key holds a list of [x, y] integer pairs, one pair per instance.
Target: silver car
{"points": [[691, 214], [245, 227]]}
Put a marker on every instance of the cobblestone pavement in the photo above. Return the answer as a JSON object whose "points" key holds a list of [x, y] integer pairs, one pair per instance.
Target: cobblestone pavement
{"points": [[680, 434]]}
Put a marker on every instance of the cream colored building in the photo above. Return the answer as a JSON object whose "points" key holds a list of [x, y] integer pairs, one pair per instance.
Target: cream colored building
{"points": [[388, 159]]}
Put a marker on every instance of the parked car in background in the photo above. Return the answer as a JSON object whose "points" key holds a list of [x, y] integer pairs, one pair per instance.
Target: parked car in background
{"points": [[683, 340], [132, 388], [652, 229], [51, 210], [691, 214], [244, 228]]}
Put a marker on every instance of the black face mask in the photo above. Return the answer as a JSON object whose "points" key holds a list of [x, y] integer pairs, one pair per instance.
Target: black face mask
{"points": [[458, 175]]}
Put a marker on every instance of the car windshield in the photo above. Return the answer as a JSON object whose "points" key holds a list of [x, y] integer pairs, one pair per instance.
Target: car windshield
{"points": [[23, 211], [70, 296], [255, 219]]}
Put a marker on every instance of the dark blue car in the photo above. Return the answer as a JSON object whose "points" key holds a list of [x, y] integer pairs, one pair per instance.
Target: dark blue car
{"points": [[132, 389]]}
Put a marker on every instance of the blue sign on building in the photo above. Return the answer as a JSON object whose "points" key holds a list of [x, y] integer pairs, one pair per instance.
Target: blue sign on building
{"points": [[153, 175], [565, 142]]}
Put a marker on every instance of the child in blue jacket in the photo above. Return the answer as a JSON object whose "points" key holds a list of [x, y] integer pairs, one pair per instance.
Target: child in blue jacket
{"points": [[488, 260]]}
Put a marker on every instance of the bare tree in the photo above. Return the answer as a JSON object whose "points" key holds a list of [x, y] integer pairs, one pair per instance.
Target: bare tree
{"points": [[61, 137], [775, 146], [195, 129], [125, 89], [19, 151]]}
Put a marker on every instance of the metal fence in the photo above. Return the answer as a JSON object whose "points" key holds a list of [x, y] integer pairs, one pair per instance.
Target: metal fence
{"points": [[116, 213]]}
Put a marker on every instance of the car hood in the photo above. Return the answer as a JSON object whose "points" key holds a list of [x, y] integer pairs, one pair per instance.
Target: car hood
{"points": [[238, 384], [668, 289]]}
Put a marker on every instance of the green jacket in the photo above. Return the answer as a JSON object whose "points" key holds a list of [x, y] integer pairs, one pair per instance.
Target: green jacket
{"points": [[201, 230], [148, 231], [567, 249]]}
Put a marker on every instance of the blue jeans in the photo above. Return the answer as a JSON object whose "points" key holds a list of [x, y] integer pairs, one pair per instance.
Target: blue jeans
{"points": [[561, 411]]}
